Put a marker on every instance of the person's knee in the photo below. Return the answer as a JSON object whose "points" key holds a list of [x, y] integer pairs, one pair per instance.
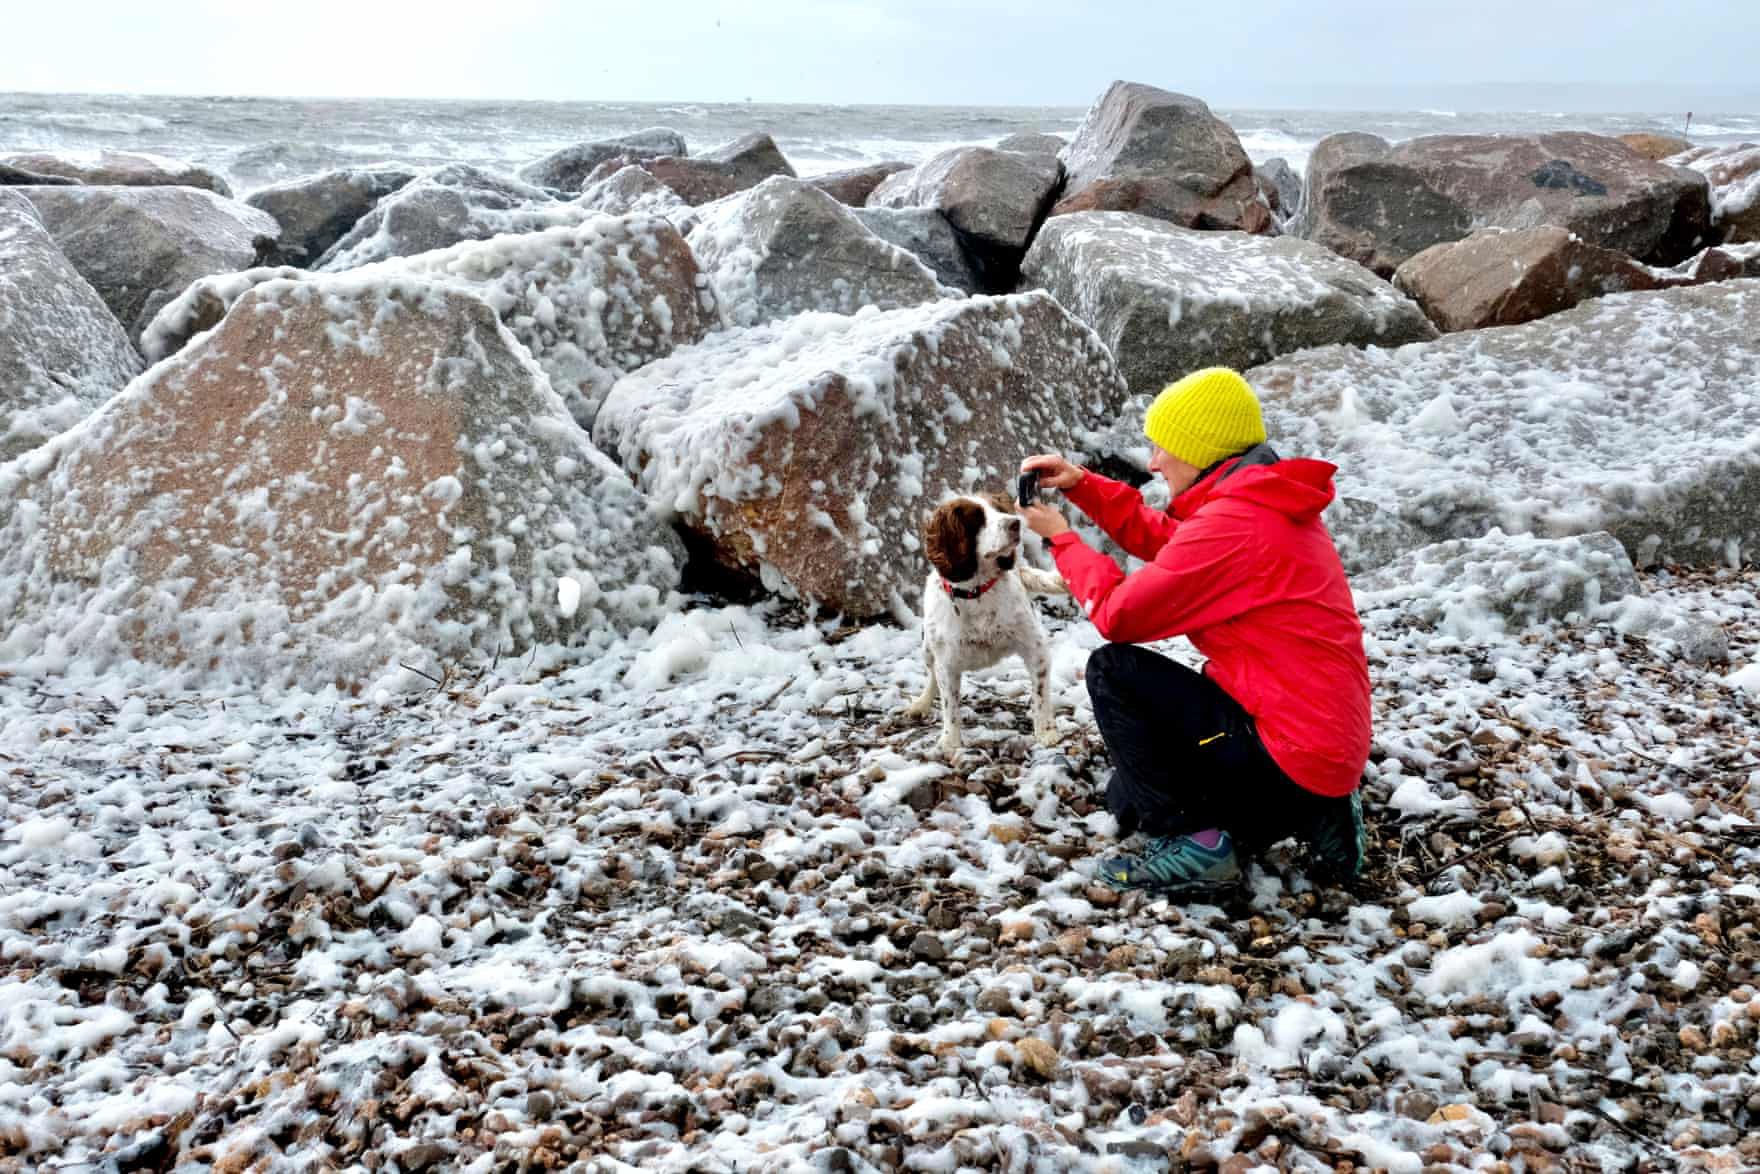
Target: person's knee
{"points": [[1107, 663]]}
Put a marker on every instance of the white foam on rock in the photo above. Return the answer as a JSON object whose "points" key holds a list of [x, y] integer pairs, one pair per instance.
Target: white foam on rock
{"points": [[145, 535]]}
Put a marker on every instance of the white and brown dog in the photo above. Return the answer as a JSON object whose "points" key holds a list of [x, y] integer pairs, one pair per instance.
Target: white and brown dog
{"points": [[976, 609]]}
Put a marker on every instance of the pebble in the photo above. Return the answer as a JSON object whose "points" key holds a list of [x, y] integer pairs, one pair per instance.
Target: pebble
{"points": [[1038, 1056]]}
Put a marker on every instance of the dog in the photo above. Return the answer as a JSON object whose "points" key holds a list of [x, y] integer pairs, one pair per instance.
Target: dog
{"points": [[976, 609]]}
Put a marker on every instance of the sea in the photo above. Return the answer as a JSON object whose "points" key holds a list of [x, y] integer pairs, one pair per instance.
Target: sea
{"points": [[254, 141]]}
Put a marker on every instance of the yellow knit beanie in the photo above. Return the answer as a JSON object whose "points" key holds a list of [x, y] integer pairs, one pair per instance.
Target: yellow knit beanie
{"points": [[1208, 415]]}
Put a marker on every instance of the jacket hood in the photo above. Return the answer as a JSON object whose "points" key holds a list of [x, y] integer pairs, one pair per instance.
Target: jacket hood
{"points": [[1298, 489]]}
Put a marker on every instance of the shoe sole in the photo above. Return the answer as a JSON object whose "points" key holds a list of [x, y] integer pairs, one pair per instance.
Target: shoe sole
{"points": [[1187, 889]]}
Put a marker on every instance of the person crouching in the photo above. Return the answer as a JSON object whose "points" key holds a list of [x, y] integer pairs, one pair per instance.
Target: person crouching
{"points": [[1270, 739]]}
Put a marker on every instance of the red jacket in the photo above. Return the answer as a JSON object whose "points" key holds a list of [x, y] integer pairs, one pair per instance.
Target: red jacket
{"points": [[1243, 566]]}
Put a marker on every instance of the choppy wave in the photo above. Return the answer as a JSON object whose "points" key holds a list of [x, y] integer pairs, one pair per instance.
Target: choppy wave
{"points": [[103, 122]]}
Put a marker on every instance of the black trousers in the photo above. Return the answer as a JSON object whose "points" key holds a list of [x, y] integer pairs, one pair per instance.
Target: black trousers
{"points": [[1187, 757]]}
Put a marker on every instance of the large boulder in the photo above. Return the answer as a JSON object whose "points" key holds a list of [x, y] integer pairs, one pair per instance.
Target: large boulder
{"points": [[1633, 413], [994, 199], [347, 473], [119, 169], [590, 302], [141, 246], [1734, 175], [315, 212], [62, 353], [1163, 155], [854, 185], [809, 452], [926, 233], [1168, 300], [1503, 278], [457, 202], [699, 179], [785, 247], [567, 168], [1381, 204]]}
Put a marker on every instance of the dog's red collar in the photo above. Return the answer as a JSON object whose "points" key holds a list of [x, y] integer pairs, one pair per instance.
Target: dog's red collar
{"points": [[968, 592]]}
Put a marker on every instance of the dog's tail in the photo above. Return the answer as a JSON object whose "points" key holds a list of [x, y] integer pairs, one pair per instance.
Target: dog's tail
{"points": [[1043, 582]]}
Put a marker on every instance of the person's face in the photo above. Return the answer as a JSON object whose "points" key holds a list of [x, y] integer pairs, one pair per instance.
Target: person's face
{"points": [[1178, 475]]}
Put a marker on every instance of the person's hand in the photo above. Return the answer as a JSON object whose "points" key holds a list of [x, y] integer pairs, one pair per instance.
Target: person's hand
{"points": [[1054, 471], [1044, 521]]}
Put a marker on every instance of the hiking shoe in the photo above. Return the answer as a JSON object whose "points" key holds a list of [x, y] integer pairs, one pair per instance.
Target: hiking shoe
{"points": [[1338, 841], [1175, 864]]}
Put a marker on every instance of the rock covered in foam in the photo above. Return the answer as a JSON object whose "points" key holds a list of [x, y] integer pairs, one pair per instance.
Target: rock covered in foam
{"points": [[458, 202], [122, 168], [1169, 300], [141, 246], [1633, 413], [62, 353], [315, 211], [1507, 579], [347, 472], [629, 190], [590, 302], [809, 451], [784, 247], [1734, 175]]}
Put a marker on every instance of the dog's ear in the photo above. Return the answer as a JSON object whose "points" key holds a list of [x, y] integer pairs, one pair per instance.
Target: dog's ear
{"points": [[950, 539], [1003, 503]]}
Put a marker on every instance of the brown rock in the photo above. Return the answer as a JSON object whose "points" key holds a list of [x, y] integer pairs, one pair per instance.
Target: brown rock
{"points": [[697, 179], [120, 168], [806, 453], [854, 185], [1381, 204], [1164, 155], [1498, 278], [300, 521], [1038, 1056]]}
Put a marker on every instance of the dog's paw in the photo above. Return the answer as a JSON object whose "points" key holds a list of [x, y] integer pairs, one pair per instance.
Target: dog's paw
{"points": [[949, 746], [920, 707], [1047, 736]]}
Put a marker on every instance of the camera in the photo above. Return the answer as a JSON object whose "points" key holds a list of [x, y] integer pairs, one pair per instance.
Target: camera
{"points": [[1026, 490]]}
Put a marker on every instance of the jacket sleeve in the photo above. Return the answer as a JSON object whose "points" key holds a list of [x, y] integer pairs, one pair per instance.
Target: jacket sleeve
{"points": [[1119, 510], [1200, 578]]}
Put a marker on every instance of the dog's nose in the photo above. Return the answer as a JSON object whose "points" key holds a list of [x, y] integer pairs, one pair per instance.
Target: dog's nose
{"points": [[1014, 526]]}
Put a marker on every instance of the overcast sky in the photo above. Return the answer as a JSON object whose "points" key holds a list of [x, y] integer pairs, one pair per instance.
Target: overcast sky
{"points": [[1564, 54]]}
